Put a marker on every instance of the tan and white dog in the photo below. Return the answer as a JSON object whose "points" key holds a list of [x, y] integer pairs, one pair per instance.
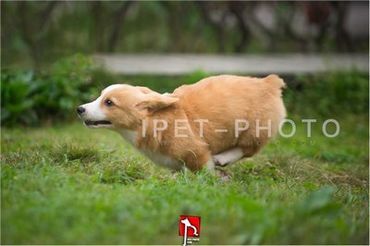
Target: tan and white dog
{"points": [[216, 121]]}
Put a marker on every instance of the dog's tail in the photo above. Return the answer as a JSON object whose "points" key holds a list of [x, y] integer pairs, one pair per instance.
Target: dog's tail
{"points": [[275, 81]]}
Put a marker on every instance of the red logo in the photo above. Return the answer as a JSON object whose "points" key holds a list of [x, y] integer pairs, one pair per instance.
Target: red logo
{"points": [[189, 226]]}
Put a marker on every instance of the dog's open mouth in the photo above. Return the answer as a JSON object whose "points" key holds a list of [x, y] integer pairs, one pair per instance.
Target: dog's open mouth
{"points": [[97, 122]]}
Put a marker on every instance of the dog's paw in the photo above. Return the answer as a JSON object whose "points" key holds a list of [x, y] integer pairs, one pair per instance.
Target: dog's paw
{"points": [[219, 160]]}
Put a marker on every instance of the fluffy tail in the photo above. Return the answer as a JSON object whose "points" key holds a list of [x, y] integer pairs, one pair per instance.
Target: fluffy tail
{"points": [[275, 81]]}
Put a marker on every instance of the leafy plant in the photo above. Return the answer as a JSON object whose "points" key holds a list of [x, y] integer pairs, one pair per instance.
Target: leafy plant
{"points": [[329, 94], [64, 86], [29, 97], [16, 104]]}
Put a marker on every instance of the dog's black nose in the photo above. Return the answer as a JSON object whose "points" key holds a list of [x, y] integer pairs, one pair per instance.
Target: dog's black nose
{"points": [[80, 110]]}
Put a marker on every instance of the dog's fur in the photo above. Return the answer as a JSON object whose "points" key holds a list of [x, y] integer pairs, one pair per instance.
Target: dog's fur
{"points": [[220, 100]]}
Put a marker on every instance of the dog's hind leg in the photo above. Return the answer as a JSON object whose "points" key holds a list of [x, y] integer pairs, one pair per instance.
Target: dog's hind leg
{"points": [[229, 156]]}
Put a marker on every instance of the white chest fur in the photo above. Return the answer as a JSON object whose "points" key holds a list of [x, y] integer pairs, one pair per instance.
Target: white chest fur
{"points": [[157, 158]]}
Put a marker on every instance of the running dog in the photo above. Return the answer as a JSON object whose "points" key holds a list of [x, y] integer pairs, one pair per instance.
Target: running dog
{"points": [[214, 122]]}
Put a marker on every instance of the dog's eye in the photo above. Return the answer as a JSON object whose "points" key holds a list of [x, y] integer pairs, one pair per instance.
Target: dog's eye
{"points": [[108, 102]]}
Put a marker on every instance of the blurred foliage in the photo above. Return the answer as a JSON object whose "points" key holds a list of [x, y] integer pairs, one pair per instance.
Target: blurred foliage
{"points": [[15, 102], [329, 94], [44, 31], [30, 97]]}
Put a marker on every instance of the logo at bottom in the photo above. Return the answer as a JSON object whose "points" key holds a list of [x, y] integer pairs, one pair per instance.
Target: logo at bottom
{"points": [[189, 228]]}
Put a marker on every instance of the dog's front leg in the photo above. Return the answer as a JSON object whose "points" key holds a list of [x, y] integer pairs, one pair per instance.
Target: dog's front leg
{"points": [[227, 157]]}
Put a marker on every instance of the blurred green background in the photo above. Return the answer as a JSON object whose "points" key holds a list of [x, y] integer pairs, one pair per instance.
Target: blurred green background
{"points": [[65, 184], [36, 33]]}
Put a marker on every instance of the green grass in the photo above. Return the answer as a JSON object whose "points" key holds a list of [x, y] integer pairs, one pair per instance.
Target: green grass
{"points": [[70, 185], [66, 184]]}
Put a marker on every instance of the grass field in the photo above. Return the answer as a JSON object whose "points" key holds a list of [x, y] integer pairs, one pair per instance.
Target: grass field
{"points": [[66, 184]]}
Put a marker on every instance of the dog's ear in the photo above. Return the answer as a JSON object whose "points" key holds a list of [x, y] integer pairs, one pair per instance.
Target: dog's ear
{"points": [[153, 102], [144, 90]]}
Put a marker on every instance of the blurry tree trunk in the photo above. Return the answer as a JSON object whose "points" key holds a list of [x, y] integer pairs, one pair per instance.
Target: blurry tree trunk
{"points": [[237, 8], [175, 14], [342, 38], [46, 15], [30, 25], [117, 25], [317, 15], [269, 35], [27, 32], [97, 30], [218, 26], [285, 21]]}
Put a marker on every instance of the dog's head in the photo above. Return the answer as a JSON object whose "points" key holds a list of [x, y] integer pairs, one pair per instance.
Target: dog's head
{"points": [[123, 106]]}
